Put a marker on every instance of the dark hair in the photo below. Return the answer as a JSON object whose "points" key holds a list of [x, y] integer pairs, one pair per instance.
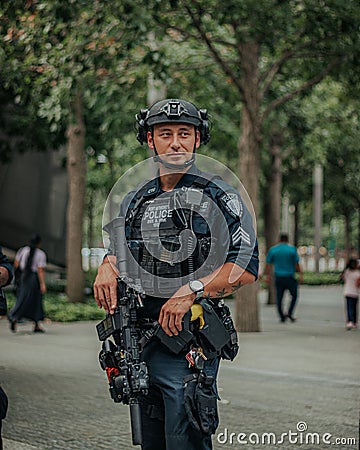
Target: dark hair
{"points": [[34, 242], [284, 237], [352, 264]]}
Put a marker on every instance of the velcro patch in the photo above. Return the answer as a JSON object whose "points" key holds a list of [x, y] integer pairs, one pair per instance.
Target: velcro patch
{"points": [[233, 204]]}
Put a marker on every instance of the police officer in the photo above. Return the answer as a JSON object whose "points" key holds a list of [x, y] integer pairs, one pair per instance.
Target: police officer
{"points": [[193, 238]]}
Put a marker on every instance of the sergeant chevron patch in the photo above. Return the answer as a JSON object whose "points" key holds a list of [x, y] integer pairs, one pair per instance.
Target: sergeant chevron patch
{"points": [[240, 233]]}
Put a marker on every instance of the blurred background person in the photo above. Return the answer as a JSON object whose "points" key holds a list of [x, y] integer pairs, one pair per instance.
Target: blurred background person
{"points": [[31, 262], [285, 261], [351, 278]]}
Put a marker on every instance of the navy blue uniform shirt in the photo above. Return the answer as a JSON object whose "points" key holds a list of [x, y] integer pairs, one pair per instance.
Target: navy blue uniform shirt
{"points": [[235, 233]]}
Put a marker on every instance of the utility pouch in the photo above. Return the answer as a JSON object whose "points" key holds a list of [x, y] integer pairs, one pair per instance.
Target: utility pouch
{"points": [[201, 403], [213, 336], [176, 343], [231, 348]]}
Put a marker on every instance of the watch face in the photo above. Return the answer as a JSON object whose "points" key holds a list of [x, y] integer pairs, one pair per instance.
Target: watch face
{"points": [[196, 285]]}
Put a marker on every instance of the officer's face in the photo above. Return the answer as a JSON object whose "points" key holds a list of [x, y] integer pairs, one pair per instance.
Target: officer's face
{"points": [[174, 142]]}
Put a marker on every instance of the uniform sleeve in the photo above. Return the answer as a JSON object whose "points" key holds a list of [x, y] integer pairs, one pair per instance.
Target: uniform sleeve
{"points": [[240, 233], [124, 206]]}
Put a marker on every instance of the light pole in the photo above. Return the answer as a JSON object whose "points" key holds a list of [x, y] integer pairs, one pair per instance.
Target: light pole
{"points": [[317, 202]]}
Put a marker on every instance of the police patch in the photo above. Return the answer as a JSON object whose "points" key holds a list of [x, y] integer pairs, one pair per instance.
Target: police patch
{"points": [[232, 204]]}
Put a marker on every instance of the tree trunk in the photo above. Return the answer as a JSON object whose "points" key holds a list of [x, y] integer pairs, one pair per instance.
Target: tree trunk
{"points": [[272, 203], [76, 166], [90, 214], [348, 235], [247, 315], [247, 310], [358, 231], [318, 211], [296, 224]]}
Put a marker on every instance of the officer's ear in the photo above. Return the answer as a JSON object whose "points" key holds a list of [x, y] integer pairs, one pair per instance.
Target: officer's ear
{"points": [[197, 138], [150, 139]]}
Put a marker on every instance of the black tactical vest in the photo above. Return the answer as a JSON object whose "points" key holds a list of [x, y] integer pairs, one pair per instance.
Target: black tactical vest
{"points": [[170, 239]]}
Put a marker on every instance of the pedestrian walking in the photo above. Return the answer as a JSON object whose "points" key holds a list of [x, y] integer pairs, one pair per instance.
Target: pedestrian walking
{"points": [[176, 414], [31, 262], [351, 278], [285, 261]]}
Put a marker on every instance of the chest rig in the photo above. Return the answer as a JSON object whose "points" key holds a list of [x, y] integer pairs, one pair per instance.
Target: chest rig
{"points": [[169, 237]]}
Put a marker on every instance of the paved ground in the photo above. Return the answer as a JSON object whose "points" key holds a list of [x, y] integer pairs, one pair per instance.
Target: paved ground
{"points": [[298, 381]]}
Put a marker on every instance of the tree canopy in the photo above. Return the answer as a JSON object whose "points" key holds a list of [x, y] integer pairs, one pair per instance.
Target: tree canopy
{"points": [[253, 65]]}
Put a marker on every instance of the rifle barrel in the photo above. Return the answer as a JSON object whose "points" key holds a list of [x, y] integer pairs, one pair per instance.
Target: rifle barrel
{"points": [[135, 419]]}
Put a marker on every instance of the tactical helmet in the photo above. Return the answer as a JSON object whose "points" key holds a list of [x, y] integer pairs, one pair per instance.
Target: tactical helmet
{"points": [[172, 110]]}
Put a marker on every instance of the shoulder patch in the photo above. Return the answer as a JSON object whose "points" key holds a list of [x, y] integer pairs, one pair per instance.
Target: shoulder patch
{"points": [[232, 204]]}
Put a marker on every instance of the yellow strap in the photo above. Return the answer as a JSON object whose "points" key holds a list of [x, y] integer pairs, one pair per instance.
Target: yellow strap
{"points": [[197, 313]]}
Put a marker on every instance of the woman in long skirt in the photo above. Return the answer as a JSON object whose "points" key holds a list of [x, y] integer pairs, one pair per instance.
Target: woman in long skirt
{"points": [[31, 261]]}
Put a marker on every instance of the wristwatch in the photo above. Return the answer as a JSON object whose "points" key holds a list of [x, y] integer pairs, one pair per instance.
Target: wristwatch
{"points": [[197, 286]]}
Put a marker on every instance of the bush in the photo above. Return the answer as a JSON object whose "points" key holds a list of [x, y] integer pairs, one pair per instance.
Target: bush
{"points": [[313, 279], [58, 285], [322, 279]]}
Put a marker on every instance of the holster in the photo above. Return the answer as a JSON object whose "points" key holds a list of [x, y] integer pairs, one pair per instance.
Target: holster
{"points": [[201, 402], [213, 336], [230, 350]]}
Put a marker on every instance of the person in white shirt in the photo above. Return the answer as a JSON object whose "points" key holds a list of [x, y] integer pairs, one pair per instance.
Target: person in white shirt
{"points": [[31, 261]]}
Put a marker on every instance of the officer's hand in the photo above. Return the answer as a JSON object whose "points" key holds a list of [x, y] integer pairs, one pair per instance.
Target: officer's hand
{"points": [[174, 309], [105, 285]]}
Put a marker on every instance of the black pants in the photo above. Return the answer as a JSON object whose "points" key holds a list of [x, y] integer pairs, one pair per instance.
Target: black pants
{"points": [[351, 309], [282, 284], [165, 424]]}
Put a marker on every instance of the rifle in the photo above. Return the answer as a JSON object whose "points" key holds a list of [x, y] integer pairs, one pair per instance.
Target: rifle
{"points": [[127, 374]]}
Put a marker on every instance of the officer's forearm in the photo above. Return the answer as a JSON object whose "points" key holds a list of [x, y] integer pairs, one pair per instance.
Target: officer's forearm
{"points": [[105, 285], [225, 280]]}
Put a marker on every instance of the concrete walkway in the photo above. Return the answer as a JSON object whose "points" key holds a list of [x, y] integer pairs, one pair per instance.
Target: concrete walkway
{"points": [[294, 385]]}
